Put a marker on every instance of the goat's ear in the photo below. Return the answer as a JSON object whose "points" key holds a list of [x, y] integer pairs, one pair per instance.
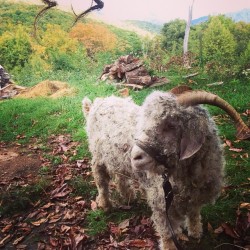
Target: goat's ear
{"points": [[191, 141], [86, 105]]}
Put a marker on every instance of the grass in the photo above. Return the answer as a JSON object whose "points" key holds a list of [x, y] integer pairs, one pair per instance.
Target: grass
{"points": [[42, 117]]}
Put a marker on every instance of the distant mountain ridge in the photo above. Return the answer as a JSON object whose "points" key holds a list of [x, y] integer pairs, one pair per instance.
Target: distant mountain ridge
{"points": [[155, 27], [242, 15]]}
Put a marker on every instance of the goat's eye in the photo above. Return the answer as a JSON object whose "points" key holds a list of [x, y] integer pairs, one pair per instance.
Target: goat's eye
{"points": [[171, 126], [168, 127]]}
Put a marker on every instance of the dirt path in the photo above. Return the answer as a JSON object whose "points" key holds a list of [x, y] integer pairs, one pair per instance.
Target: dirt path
{"points": [[16, 162]]}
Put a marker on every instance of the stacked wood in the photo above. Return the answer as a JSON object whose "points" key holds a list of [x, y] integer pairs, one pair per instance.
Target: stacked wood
{"points": [[132, 73], [10, 90]]}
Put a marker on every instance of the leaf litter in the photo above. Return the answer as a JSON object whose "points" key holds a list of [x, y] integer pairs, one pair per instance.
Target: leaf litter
{"points": [[58, 219]]}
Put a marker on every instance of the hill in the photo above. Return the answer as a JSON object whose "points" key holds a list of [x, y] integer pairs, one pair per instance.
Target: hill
{"points": [[243, 15], [148, 26]]}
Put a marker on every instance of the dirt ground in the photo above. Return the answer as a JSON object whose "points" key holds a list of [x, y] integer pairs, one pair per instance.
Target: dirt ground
{"points": [[17, 162]]}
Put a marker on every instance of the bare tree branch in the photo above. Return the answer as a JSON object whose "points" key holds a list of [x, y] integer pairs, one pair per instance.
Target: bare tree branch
{"points": [[50, 4], [99, 5]]}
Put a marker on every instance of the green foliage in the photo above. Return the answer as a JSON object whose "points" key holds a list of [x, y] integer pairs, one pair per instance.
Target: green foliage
{"points": [[128, 42], [241, 33], [97, 222], [15, 48], [218, 43], [154, 55], [173, 35], [147, 26], [219, 50], [56, 49], [83, 187]]}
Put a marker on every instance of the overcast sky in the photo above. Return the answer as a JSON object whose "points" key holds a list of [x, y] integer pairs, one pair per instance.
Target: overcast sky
{"points": [[164, 10]]}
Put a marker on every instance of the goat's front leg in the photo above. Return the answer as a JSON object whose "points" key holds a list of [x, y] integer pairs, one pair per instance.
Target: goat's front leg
{"points": [[124, 188], [102, 179], [194, 224], [156, 200]]}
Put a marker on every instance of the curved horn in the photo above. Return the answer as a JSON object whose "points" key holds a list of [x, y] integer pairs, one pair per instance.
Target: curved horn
{"points": [[180, 89], [190, 98]]}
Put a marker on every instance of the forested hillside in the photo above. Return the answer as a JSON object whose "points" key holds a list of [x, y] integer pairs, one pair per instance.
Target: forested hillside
{"points": [[58, 46]]}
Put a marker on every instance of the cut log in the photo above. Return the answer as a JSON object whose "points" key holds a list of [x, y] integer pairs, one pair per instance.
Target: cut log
{"points": [[126, 59], [19, 87], [131, 86], [107, 68], [141, 80], [159, 82], [131, 66], [131, 71], [6, 87]]}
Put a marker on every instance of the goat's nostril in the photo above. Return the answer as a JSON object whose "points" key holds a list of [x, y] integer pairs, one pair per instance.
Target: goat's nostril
{"points": [[138, 157]]}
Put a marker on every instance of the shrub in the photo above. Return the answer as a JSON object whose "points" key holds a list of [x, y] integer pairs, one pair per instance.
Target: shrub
{"points": [[15, 48], [94, 36]]}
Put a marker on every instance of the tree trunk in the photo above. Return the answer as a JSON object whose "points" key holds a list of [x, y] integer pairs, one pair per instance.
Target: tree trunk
{"points": [[186, 37]]}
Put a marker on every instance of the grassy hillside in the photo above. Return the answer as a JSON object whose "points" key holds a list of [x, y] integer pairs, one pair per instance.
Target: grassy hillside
{"points": [[29, 206], [151, 27]]}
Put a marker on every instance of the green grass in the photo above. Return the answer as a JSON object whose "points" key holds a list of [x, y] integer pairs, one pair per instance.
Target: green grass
{"points": [[42, 117]]}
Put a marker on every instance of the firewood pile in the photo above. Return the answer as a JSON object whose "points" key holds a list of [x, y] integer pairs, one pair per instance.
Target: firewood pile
{"points": [[7, 88], [130, 72], [10, 90]]}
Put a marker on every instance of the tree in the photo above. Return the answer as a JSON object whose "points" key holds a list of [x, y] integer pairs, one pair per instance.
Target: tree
{"points": [[173, 35], [218, 43], [94, 36], [185, 42], [219, 50], [241, 33]]}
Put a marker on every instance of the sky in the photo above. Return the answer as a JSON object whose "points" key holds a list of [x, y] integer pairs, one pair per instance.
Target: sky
{"points": [[161, 10]]}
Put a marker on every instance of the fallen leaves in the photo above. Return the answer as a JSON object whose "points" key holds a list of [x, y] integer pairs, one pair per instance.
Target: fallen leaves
{"points": [[229, 144], [136, 232], [240, 232], [57, 216], [245, 205]]}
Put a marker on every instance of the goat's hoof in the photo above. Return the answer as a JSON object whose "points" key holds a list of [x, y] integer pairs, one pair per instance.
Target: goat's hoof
{"points": [[195, 234], [167, 245], [104, 204]]}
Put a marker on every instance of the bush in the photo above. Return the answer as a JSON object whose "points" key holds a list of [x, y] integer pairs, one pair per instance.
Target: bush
{"points": [[94, 36], [15, 48]]}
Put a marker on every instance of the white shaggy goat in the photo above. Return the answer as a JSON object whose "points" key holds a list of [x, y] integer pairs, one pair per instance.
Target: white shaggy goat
{"points": [[168, 134]]}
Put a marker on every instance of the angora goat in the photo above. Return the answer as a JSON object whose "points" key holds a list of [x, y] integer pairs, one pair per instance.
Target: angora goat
{"points": [[170, 133]]}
